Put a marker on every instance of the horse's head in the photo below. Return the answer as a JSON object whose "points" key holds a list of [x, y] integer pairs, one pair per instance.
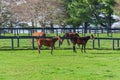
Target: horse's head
{"points": [[92, 37]]}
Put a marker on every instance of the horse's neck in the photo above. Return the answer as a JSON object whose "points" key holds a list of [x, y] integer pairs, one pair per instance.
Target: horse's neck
{"points": [[55, 39], [87, 38]]}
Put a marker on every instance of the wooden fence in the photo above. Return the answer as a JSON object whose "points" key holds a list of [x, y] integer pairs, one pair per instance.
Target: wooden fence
{"points": [[16, 31], [111, 39], [12, 38]]}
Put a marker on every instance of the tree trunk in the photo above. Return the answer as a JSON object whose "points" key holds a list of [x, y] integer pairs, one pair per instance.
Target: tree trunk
{"points": [[42, 23], [11, 27], [109, 19], [51, 26], [85, 27], [33, 26]]}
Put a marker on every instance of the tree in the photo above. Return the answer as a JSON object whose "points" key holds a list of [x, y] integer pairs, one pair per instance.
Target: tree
{"points": [[4, 14], [89, 11], [49, 11], [42, 11], [117, 7], [79, 13]]}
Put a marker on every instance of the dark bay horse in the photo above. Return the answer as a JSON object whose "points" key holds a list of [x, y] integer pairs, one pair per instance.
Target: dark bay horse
{"points": [[69, 35], [81, 41], [50, 42]]}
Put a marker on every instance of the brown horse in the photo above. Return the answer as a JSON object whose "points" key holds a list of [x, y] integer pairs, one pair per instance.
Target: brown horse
{"points": [[41, 34], [50, 42], [81, 41], [69, 35], [38, 34]]}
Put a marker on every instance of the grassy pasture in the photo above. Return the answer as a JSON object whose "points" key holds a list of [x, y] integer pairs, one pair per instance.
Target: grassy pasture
{"points": [[26, 64], [63, 65]]}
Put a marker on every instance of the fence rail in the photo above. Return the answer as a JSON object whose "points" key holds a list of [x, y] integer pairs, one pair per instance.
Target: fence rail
{"points": [[16, 31], [112, 39]]}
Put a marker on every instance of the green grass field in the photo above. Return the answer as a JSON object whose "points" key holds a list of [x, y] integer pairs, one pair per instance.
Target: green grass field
{"points": [[63, 65], [26, 64]]}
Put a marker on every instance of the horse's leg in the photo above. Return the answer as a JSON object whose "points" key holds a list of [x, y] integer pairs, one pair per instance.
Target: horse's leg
{"points": [[39, 47], [51, 50], [73, 46], [74, 43], [74, 49], [78, 45], [85, 48], [68, 41], [82, 49], [54, 47]]}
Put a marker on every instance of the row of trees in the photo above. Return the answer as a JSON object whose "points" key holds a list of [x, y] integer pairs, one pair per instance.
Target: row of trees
{"points": [[62, 12], [40, 11]]}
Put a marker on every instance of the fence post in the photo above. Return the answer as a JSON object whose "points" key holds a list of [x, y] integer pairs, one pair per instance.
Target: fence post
{"points": [[12, 43], [101, 30], [33, 43], [17, 32], [0, 32], [93, 44], [117, 43], [57, 32], [113, 44], [18, 42], [89, 30], [98, 43], [82, 32]]}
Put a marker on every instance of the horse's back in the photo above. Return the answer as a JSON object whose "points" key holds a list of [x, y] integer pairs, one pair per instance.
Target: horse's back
{"points": [[39, 34], [71, 34], [46, 42]]}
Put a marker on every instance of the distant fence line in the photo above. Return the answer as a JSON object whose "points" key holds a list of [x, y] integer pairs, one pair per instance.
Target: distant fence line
{"points": [[34, 37], [112, 45], [16, 31]]}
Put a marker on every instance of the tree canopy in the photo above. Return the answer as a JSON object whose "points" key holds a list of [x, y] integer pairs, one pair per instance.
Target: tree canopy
{"points": [[90, 11]]}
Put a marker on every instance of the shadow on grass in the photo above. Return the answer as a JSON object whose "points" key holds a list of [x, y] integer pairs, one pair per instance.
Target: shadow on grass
{"points": [[8, 48], [64, 55]]}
